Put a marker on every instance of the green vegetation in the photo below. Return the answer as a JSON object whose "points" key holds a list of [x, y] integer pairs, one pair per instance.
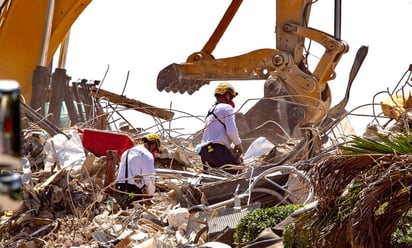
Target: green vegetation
{"points": [[397, 143], [256, 221], [402, 237]]}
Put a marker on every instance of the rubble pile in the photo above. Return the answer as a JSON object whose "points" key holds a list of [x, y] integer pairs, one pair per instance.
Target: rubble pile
{"points": [[68, 178], [67, 203], [67, 199], [69, 206]]}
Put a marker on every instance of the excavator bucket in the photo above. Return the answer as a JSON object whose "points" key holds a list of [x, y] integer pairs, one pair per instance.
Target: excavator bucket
{"points": [[295, 97]]}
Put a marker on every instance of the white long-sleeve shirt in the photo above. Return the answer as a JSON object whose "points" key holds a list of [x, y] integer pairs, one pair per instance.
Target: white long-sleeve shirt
{"points": [[140, 163], [216, 132]]}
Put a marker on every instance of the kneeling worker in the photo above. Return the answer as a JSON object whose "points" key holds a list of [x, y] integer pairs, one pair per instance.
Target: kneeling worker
{"points": [[220, 131], [136, 171]]}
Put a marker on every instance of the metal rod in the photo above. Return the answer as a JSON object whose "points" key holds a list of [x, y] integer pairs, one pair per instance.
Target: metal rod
{"points": [[338, 19], [63, 51], [47, 33], [43, 122]]}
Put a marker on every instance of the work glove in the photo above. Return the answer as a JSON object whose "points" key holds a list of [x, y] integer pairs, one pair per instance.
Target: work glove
{"points": [[238, 150]]}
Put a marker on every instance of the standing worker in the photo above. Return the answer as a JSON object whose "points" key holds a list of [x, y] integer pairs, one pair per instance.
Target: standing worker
{"points": [[136, 171], [220, 131]]}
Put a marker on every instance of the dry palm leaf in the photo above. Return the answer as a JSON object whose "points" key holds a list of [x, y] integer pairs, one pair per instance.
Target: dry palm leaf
{"points": [[382, 202], [362, 197]]}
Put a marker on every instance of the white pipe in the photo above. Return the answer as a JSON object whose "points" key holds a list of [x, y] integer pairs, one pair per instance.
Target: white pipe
{"points": [[47, 33], [64, 47]]}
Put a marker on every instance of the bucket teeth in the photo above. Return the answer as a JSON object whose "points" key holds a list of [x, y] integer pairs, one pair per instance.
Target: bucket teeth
{"points": [[171, 79]]}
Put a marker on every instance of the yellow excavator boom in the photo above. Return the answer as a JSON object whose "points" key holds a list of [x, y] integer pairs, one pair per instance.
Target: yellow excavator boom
{"points": [[23, 33]]}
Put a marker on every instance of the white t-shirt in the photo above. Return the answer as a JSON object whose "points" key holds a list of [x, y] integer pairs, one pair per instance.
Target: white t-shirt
{"points": [[216, 132], [140, 163]]}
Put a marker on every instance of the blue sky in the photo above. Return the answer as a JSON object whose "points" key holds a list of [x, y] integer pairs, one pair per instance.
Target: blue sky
{"points": [[143, 37]]}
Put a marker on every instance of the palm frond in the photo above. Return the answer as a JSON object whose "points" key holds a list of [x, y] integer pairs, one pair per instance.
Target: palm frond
{"points": [[394, 144]]}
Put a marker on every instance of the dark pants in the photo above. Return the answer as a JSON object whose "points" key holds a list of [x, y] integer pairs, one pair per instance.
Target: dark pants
{"points": [[125, 199], [217, 155]]}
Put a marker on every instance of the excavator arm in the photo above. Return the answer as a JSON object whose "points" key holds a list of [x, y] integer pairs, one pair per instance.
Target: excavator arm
{"points": [[304, 95], [23, 35]]}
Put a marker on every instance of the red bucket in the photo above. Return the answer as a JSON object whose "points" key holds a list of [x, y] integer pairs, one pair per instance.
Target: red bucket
{"points": [[99, 142]]}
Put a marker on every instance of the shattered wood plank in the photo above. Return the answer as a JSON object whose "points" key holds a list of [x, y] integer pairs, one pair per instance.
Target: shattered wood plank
{"points": [[76, 96], [85, 98], [51, 179], [71, 108], [59, 88], [101, 123], [110, 169], [131, 103]]}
